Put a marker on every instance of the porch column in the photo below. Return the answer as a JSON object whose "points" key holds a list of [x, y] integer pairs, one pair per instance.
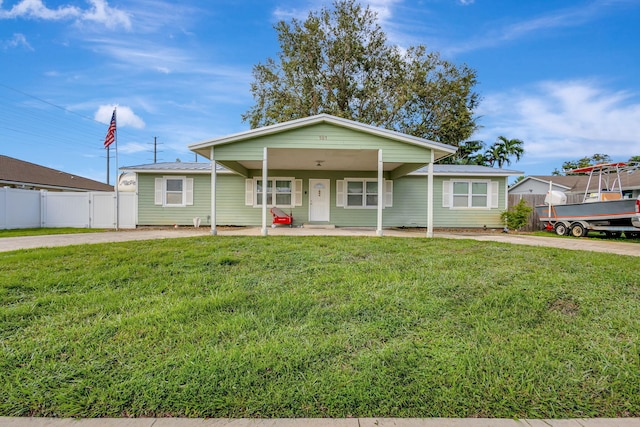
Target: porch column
{"points": [[381, 193], [214, 174], [430, 197], [265, 177]]}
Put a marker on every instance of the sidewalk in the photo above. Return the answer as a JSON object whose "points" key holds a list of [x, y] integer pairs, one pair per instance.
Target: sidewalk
{"points": [[315, 422], [585, 244]]}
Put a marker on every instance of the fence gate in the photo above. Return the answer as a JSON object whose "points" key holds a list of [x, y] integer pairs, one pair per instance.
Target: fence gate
{"points": [[33, 209]]}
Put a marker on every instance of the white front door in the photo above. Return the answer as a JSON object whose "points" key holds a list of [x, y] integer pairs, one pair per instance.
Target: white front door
{"points": [[319, 199]]}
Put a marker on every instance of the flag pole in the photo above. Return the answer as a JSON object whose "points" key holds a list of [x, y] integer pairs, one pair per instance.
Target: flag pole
{"points": [[117, 178], [112, 136]]}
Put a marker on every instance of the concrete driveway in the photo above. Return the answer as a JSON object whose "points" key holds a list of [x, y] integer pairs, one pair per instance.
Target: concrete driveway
{"points": [[584, 244]]}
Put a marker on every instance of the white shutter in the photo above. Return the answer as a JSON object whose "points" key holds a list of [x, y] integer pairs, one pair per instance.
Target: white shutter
{"points": [[340, 193], [388, 193], [298, 192], [446, 194], [158, 197], [248, 192], [495, 188], [189, 193]]}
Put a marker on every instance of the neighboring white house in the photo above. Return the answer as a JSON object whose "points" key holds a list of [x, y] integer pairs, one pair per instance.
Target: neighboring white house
{"points": [[573, 184]]}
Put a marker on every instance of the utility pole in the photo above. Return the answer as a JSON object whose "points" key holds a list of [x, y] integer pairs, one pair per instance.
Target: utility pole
{"points": [[155, 149]]}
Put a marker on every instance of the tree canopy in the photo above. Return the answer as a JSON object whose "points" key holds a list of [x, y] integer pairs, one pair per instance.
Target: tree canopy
{"points": [[500, 152], [588, 161], [338, 61]]}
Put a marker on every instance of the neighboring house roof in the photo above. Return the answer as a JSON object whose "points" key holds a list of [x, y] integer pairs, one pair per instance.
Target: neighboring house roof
{"points": [[19, 173], [441, 150], [578, 183]]}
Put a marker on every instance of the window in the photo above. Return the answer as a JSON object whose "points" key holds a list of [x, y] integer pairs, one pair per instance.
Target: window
{"points": [[282, 192], [362, 193], [280, 197], [174, 191], [472, 194]]}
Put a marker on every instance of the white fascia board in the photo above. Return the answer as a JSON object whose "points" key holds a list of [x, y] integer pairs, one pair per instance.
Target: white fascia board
{"points": [[323, 118]]}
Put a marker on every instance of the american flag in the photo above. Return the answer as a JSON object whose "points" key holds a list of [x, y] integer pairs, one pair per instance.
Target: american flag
{"points": [[111, 133]]}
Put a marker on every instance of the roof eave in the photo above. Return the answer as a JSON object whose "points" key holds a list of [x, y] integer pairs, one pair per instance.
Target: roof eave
{"points": [[321, 118]]}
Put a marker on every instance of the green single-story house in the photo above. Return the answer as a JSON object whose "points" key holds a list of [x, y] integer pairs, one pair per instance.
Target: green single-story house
{"points": [[323, 170]]}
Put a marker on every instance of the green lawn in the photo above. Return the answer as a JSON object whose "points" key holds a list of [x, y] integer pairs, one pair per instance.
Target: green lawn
{"points": [[45, 231], [318, 327]]}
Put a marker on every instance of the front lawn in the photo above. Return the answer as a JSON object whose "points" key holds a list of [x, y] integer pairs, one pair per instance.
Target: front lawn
{"points": [[20, 232], [318, 327]]}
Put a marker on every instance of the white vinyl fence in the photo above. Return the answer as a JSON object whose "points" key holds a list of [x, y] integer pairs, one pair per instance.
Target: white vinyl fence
{"points": [[35, 209]]}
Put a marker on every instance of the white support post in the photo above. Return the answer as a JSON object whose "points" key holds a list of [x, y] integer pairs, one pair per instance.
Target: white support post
{"points": [[214, 174], [265, 177], [381, 193], [430, 197]]}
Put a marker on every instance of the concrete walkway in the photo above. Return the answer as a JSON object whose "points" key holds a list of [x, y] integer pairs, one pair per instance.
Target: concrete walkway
{"points": [[315, 422], [585, 244]]}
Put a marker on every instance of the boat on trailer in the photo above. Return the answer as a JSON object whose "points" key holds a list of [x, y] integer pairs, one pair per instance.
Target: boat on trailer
{"points": [[604, 207]]}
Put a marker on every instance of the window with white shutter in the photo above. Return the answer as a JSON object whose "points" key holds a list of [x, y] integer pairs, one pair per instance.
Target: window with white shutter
{"points": [[469, 194], [173, 191]]}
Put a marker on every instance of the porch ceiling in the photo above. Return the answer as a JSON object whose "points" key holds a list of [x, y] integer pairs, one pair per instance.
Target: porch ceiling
{"points": [[319, 159]]}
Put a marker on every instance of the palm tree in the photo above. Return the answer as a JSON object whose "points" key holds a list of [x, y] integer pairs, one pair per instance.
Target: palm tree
{"points": [[494, 154], [503, 149]]}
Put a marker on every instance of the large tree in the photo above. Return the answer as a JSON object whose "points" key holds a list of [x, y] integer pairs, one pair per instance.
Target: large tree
{"points": [[338, 61]]}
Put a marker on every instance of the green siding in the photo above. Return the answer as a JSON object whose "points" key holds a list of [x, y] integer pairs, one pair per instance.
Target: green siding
{"points": [[151, 214], [323, 136], [467, 218], [409, 203]]}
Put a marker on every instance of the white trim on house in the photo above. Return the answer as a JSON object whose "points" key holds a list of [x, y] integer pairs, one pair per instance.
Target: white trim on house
{"points": [[449, 196], [444, 149], [252, 192], [163, 193], [342, 193]]}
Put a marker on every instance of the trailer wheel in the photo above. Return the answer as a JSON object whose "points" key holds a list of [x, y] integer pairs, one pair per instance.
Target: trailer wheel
{"points": [[577, 230], [613, 234], [561, 229], [632, 234]]}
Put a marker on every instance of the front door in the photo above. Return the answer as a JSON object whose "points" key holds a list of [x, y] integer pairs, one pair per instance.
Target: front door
{"points": [[319, 200]]}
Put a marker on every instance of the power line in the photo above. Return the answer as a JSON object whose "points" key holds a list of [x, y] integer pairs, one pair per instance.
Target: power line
{"points": [[49, 103]]}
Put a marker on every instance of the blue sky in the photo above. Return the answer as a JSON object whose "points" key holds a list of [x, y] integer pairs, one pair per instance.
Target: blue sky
{"points": [[563, 76]]}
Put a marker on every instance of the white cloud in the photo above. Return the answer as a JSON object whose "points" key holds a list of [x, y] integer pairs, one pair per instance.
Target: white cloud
{"points": [[16, 41], [104, 14], [565, 120], [143, 55], [383, 8], [100, 12], [37, 10], [133, 148], [540, 25], [125, 116]]}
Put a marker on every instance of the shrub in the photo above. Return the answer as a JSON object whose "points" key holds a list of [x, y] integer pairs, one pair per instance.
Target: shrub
{"points": [[517, 216]]}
